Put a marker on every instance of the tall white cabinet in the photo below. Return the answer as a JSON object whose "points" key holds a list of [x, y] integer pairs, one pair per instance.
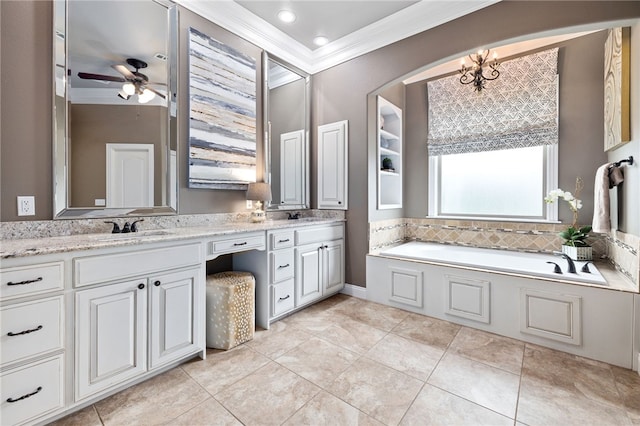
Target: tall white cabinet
{"points": [[332, 165], [389, 157]]}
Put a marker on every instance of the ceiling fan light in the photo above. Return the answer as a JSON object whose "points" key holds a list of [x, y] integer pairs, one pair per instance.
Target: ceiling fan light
{"points": [[129, 88], [146, 96], [123, 95]]}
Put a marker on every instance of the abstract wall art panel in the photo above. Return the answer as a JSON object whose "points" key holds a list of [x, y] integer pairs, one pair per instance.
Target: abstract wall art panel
{"points": [[222, 129], [616, 88]]}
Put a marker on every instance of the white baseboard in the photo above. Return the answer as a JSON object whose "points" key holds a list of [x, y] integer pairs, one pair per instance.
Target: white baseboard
{"points": [[355, 291]]}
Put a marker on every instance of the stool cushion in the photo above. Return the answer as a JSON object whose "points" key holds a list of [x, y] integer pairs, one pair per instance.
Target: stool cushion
{"points": [[230, 309]]}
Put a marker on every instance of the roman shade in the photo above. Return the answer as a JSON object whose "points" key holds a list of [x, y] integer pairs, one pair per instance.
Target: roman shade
{"points": [[519, 109]]}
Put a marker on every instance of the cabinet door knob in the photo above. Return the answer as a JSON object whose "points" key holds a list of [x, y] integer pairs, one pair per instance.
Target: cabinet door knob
{"points": [[140, 286], [157, 283], [339, 202]]}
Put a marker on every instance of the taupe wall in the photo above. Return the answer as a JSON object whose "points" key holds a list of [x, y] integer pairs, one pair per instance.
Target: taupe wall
{"points": [[341, 92], [92, 127], [581, 67]]}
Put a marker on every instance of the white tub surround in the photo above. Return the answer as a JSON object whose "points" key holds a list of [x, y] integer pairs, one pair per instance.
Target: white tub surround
{"points": [[619, 249], [500, 292], [532, 265]]}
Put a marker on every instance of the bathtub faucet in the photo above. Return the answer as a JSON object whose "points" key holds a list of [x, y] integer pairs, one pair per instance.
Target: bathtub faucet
{"points": [[572, 266]]}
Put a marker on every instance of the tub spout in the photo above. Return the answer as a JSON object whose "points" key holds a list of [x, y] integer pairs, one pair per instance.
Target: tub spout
{"points": [[571, 265]]}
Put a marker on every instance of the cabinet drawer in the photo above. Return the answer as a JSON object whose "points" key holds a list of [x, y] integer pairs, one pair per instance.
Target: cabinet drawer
{"points": [[237, 244], [104, 268], [280, 240], [282, 265], [316, 235], [282, 299], [35, 389], [32, 279], [30, 329]]}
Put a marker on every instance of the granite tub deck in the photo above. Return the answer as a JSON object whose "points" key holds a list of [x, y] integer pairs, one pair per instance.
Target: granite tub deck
{"points": [[40, 246], [530, 265]]}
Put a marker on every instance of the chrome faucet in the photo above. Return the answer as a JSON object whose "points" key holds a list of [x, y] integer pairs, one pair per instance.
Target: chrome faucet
{"points": [[572, 266]]}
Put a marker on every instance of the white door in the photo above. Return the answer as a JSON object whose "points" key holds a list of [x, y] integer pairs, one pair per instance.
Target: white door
{"points": [[129, 175], [332, 165], [174, 321], [308, 283], [292, 163], [111, 335]]}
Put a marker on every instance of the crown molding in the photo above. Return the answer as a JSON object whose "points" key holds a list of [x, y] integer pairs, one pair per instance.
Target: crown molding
{"points": [[409, 21]]}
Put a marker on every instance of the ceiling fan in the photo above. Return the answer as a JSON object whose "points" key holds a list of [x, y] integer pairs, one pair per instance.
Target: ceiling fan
{"points": [[135, 83]]}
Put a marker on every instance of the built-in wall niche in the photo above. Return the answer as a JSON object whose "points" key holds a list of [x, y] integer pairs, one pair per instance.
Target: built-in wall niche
{"points": [[287, 118], [389, 158], [114, 153]]}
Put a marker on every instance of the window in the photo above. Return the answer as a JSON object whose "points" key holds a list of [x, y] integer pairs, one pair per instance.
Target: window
{"points": [[503, 184]]}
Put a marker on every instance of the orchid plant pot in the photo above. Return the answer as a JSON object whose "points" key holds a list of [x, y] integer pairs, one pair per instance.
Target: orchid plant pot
{"points": [[578, 253]]}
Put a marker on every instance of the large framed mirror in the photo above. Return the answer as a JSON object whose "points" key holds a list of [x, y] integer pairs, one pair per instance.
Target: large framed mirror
{"points": [[287, 118], [115, 92]]}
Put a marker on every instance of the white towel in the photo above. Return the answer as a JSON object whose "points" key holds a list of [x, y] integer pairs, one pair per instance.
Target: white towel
{"points": [[604, 181]]}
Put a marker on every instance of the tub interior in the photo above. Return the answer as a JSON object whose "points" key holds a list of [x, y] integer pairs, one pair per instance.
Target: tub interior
{"points": [[499, 260]]}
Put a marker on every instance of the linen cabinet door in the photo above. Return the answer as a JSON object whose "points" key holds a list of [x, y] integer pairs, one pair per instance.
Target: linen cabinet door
{"points": [[333, 266], [308, 274], [111, 335], [175, 316]]}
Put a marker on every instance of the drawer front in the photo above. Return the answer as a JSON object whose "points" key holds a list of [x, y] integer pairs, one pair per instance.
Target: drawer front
{"points": [[30, 329], [282, 298], [104, 268], [237, 244], [33, 279], [316, 235], [34, 390], [282, 265], [280, 240]]}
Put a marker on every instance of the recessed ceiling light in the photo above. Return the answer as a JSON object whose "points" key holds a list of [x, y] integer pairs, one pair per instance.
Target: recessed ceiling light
{"points": [[320, 41], [286, 16]]}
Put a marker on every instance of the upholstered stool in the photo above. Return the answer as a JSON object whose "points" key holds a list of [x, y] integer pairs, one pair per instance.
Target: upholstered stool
{"points": [[230, 309]]}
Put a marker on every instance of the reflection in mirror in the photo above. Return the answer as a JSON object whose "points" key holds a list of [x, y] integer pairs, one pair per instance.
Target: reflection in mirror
{"points": [[287, 118], [114, 108]]}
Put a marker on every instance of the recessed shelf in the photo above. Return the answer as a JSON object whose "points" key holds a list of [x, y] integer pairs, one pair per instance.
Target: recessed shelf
{"points": [[389, 146]]}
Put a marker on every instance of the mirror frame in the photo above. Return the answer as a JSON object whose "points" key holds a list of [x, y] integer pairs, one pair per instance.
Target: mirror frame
{"points": [[266, 58], [60, 123]]}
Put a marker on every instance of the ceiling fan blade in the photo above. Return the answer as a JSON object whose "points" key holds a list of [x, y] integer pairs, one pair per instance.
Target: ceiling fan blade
{"points": [[156, 92], [124, 71], [90, 76]]}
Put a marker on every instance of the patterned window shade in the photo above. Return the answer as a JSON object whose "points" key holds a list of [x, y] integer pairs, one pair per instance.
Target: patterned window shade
{"points": [[519, 109]]}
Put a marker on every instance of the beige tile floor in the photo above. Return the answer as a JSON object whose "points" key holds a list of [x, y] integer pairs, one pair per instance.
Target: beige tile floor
{"points": [[346, 361]]}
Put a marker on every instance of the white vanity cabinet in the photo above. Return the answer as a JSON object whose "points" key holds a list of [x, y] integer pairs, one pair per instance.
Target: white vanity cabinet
{"points": [[302, 265], [32, 339], [319, 263], [147, 313]]}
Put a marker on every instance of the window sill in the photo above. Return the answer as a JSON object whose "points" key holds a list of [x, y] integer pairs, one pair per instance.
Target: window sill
{"points": [[495, 219]]}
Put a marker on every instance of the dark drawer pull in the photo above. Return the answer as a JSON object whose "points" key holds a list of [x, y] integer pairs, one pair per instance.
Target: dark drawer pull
{"points": [[25, 396], [283, 266], [24, 332], [25, 282], [284, 298], [240, 244], [283, 241]]}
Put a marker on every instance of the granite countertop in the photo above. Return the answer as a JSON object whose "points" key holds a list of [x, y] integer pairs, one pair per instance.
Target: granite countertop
{"points": [[78, 242]]}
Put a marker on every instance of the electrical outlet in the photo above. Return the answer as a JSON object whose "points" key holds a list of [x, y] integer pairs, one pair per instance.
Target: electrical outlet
{"points": [[249, 204], [26, 205]]}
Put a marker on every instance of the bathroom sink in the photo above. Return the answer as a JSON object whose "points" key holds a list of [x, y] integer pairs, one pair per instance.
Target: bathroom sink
{"points": [[131, 235]]}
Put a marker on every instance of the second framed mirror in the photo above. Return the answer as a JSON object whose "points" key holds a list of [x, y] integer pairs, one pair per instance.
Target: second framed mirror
{"points": [[287, 118]]}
